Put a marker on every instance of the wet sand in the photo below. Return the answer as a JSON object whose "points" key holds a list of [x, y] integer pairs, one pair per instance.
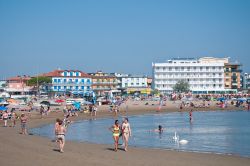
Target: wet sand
{"points": [[18, 150]]}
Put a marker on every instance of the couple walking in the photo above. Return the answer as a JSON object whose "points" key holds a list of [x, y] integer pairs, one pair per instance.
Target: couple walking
{"points": [[123, 130]]}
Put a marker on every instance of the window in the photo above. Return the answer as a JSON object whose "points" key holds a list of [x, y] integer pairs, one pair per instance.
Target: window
{"points": [[65, 80], [55, 87], [65, 87], [65, 73], [59, 80], [59, 87], [76, 80], [82, 80], [126, 84], [71, 73], [77, 74], [55, 80], [77, 87], [70, 87], [88, 87], [82, 87], [70, 80]]}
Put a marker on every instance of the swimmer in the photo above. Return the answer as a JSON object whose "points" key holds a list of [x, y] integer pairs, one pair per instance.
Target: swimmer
{"points": [[158, 130]]}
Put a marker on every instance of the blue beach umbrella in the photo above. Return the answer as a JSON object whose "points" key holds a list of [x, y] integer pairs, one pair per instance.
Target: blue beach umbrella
{"points": [[3, 108], [77, 105], [221, 99], [242, 99]]}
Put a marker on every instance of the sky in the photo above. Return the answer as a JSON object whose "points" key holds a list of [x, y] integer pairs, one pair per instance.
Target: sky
{"points": [[123, 36]]}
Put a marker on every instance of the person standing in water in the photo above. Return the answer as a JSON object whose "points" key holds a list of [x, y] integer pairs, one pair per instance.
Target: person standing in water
{"points": [[126, 133], [116, 133], [60, 131], [190, 115]]}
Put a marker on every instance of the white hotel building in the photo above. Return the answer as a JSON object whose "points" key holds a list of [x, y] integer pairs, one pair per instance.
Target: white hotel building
{"points": [[204, 75]]}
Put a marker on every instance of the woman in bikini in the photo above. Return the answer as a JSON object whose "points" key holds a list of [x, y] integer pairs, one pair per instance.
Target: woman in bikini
{"points": [[60, 132], [126, 133], [116, 132]]}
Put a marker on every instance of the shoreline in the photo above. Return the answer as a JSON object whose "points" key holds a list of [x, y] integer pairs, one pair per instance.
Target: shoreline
{"points": [[44, 152]]}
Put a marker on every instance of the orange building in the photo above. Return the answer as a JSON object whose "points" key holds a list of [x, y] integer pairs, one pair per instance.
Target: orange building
{"points": [[103, 82]]}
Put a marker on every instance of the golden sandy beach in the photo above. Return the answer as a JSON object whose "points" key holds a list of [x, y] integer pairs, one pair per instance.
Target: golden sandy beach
{"points": [[31, 150]]}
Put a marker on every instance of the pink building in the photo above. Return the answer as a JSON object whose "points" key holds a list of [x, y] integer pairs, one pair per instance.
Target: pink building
{"points": [[18, 85]]}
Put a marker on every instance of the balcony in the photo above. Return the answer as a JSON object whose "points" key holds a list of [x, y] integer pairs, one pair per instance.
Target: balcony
{"points": [[102, 88], [71, 83]]}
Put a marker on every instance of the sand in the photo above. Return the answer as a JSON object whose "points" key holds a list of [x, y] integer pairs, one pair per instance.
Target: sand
{"points": [[30, 150]]}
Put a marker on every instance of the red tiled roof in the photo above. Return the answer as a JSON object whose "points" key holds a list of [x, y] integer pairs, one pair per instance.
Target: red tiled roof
{"points": [[57, 73], [19, 78]]}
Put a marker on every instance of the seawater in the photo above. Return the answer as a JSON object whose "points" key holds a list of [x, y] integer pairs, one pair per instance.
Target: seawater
{"points": [[211, 131]]}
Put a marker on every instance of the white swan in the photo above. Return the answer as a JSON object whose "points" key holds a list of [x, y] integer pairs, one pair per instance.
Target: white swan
{"points": [[175, 137], [183, 141]]}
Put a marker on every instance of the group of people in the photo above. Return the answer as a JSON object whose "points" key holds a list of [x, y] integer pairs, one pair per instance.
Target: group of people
{"points": [[9, 116], [13, 117], [121, 130], [115, 109]]}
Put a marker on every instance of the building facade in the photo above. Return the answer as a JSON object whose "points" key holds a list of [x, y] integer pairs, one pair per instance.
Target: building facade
{"points": [[103, 83], [232, 75], [18, 85], [246, 81], [74, 81], [204, 75], [136, 84]]}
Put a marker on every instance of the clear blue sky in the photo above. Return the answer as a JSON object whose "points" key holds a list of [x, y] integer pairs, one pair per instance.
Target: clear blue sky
{"points": [[118, 36]]}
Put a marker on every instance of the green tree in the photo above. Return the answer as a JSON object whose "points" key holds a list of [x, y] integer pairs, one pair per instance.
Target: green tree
{"points": [[181, 86], [40, 80]]}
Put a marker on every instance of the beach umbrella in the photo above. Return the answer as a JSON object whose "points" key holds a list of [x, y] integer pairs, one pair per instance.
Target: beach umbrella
{"points": [[3, 108], [221, 99], [77, 105], [242, 99], [59, 101], [45, 103], [87, 103]]}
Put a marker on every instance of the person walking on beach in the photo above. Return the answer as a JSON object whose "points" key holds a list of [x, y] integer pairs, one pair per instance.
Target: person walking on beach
{"points": [[60, 132], [126, 133], [116, 133], [55, 128], [41, 111], [23, 120], [13, 118], [5, 118]]}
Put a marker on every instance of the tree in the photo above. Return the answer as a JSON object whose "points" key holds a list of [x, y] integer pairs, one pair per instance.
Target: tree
{"points": [[38, 81], [181, 86]]}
